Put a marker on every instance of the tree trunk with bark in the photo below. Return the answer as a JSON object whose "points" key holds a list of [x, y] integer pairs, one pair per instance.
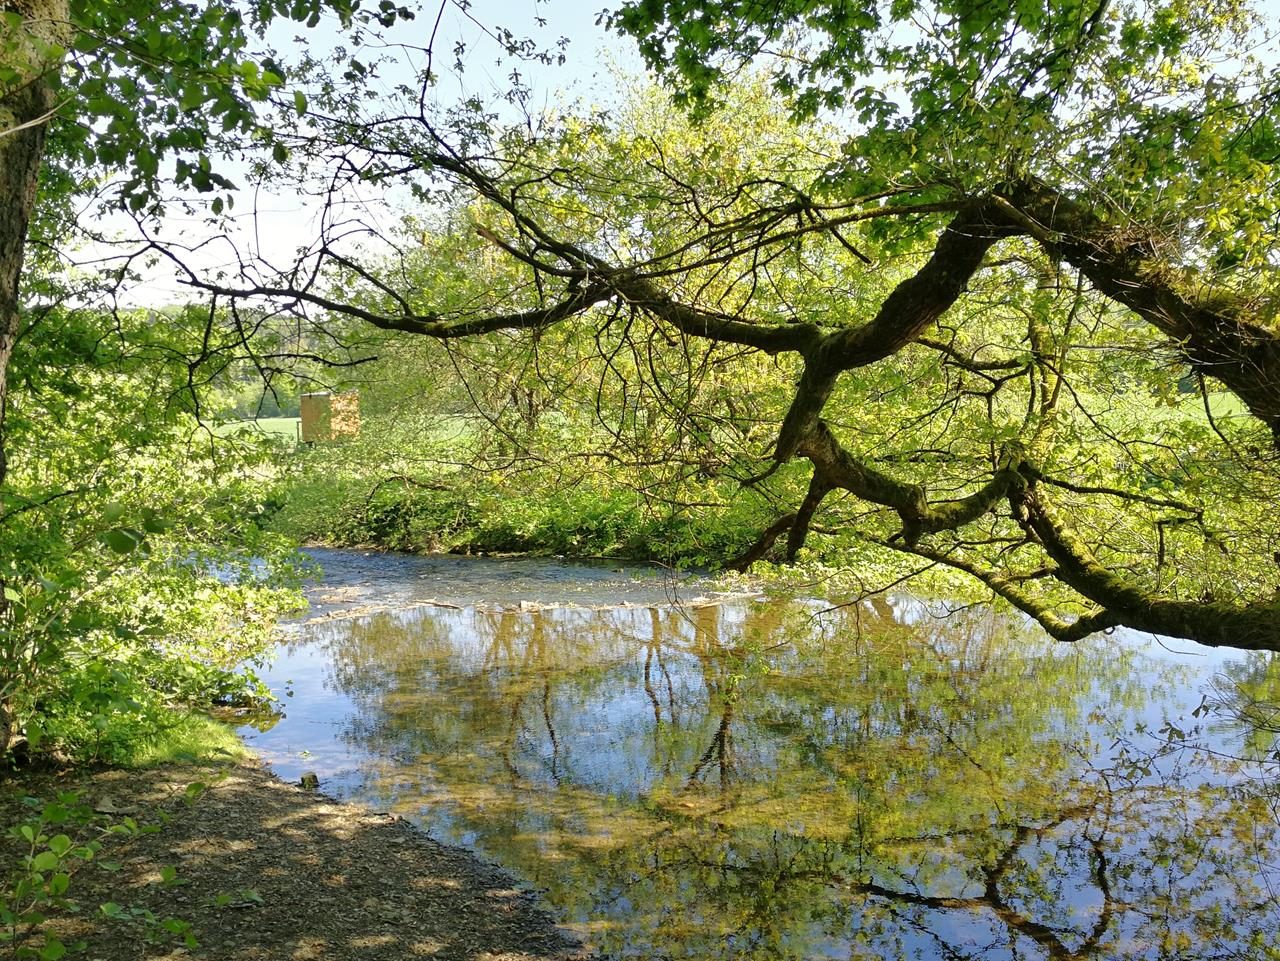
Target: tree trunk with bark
{"points": [[32, 47]]}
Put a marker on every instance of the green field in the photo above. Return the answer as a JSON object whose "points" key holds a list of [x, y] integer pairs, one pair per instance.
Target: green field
{"points": [[285, 428]]}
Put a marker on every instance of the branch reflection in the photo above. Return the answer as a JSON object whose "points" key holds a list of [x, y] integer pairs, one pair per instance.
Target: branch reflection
{"points": [[751, 780]]}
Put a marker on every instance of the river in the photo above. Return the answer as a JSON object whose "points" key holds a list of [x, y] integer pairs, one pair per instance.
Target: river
{"points": [[683, 774]]}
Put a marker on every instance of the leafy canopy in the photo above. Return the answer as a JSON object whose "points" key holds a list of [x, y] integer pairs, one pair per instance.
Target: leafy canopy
{"points": [[167, 93], [1170, 109]]}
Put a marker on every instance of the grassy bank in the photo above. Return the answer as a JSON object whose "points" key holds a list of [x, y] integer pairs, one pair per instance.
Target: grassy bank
{"points": [[340, 497], [194, 738]]}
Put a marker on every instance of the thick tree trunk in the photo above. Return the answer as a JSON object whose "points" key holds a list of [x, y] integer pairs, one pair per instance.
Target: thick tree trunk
{"points": [[20, 155], [26, 104], [25, 107]]}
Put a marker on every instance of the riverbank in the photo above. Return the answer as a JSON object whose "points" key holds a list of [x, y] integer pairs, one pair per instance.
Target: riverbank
{"points": [[263, 870]]}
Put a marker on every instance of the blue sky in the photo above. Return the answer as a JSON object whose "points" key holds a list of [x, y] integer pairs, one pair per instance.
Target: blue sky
{"points": [[595, 60]]}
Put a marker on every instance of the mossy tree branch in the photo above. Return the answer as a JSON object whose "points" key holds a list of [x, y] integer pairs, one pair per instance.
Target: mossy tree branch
{"points": [[1214, 623]]}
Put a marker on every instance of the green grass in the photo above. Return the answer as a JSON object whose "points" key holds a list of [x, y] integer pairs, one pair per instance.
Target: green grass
{"points": [[284, 427], [456, 427], [1225, 408], [195, 739], [1222, 404]]}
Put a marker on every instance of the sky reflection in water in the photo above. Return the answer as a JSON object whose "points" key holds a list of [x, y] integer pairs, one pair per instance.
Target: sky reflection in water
{"points": [[749, 779]]}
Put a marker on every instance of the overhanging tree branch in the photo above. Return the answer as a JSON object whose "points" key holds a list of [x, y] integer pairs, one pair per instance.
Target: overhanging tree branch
{"points": [[1215, 623], [909, 310], [1215, 331]]}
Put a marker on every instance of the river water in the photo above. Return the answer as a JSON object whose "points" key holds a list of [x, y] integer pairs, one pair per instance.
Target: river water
{"points": [[688, 775]]}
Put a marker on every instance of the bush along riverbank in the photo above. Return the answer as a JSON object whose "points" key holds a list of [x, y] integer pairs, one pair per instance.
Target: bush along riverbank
{"points": [[532, 512], [357, 495]]}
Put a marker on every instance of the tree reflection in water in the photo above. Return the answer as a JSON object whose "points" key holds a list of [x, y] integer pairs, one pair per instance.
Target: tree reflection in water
{"points": [[755, 781]]}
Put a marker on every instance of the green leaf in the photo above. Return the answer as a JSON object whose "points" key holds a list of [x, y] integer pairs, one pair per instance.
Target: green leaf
{"points": [[192, 96], [123, 540]]}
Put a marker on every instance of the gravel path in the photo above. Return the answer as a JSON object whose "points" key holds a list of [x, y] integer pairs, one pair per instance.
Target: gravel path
{"points": [[267, 870]]}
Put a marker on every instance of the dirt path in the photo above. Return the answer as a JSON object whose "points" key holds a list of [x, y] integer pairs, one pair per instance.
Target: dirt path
{"points": [[267, 870]]}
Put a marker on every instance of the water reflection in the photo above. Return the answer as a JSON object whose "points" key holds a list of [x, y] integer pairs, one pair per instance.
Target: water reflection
{"points": [[749, 780]]}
